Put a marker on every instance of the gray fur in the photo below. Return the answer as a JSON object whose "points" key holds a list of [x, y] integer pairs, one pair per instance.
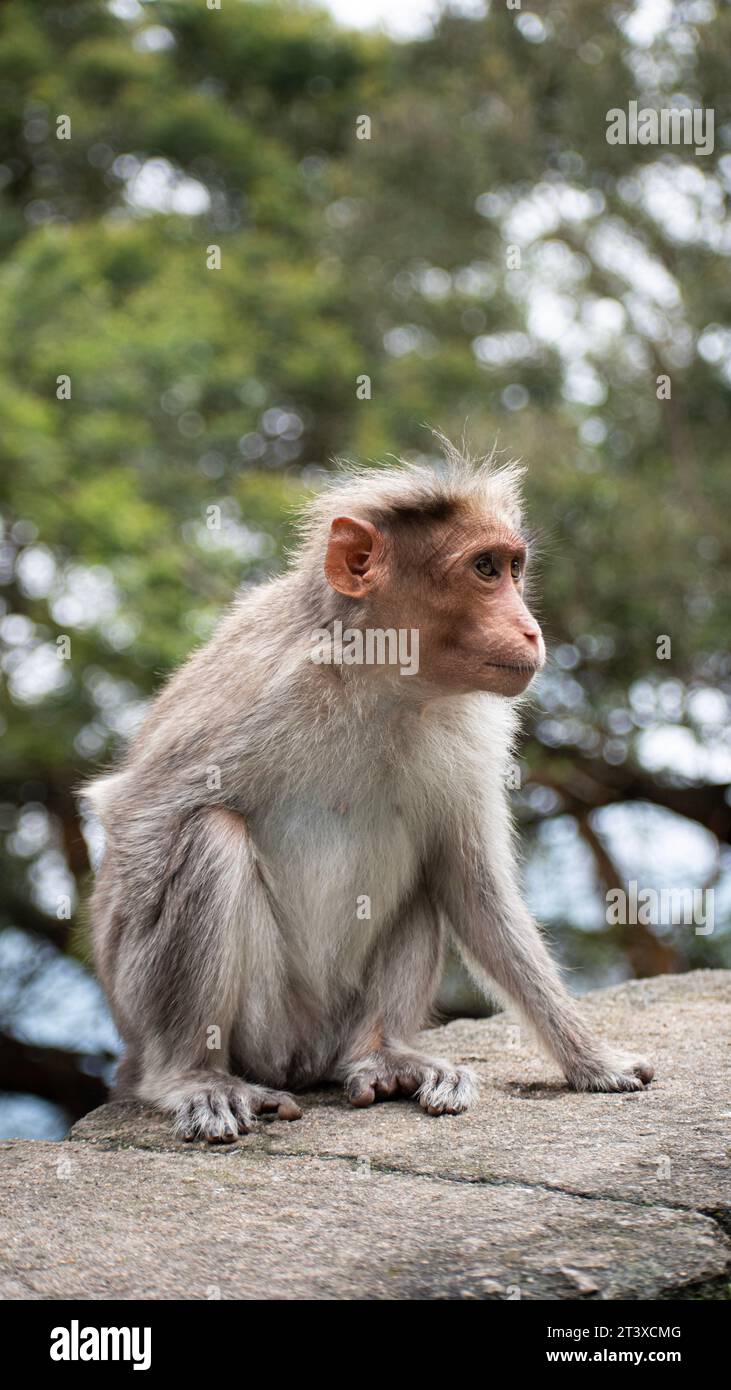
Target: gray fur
{"points": [[235, 908]]}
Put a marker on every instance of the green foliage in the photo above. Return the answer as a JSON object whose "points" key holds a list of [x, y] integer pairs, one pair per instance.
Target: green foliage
{"points": [[194, 388]]}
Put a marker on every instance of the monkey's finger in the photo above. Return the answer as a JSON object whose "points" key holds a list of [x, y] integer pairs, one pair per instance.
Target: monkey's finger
{"points": [[193, 1122], [186, 1129], [285, 1106], [242, 1115], [289, 1110], [386, 1086], [216, 1120], [361, 1092], [244, 1122], [221, 1129]]}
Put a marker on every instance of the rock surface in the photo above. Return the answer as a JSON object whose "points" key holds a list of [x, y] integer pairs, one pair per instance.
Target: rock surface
{"points": [[537, 1193]]}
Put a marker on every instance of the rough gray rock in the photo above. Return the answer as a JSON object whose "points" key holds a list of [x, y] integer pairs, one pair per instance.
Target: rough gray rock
{"points": [[537, 1193]]}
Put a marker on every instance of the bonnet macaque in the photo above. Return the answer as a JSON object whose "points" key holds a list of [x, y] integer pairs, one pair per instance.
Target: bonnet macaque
{"points": [[297, 829]]}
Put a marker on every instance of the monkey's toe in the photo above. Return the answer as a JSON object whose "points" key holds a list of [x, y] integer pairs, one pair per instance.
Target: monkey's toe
{"points": [[267, 1102], [620, 1074], [447, 1092], [361, 1093]]}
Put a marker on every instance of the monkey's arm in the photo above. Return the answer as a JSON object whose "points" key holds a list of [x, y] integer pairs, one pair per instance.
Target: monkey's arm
{"points": [[476, 883]]}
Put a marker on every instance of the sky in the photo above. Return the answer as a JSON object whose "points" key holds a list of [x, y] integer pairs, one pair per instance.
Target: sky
{"points": [[409, 19], [402, 18]]}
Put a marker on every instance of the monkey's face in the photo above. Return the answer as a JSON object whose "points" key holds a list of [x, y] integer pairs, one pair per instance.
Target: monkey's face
{"points": [[483, 636], [458, 583]]}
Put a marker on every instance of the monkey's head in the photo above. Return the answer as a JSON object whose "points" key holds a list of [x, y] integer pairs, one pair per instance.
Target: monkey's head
{"points": [[445, 555]]}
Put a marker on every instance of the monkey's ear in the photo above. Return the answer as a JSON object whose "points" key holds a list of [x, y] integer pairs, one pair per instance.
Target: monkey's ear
{"points": [[353, 551]]}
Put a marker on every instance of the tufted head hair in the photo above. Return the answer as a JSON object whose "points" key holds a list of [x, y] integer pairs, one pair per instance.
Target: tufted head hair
{"points": [[397, 496]]}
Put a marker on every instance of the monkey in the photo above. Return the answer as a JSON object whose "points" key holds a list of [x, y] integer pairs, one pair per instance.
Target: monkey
{"points": [[291, 843]]}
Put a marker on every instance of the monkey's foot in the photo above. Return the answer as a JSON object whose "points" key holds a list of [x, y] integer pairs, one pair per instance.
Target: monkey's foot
{"points": [[220, 1109], [439, 1087], [617, 1072]]}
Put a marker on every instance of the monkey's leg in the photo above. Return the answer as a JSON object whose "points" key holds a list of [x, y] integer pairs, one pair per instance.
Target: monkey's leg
{"points": [[499, 939], [403, 980], [179, 983]]}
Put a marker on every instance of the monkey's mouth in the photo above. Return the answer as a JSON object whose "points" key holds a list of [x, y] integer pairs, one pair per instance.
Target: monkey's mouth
{"points": [[517, 668]]}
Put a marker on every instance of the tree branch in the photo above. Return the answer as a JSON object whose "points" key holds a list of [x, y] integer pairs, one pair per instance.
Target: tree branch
{"points": [[646, 953], [52, 1073], [21, 912], [592, 783]]}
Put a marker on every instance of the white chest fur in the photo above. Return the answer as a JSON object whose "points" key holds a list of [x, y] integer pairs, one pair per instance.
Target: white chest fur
{"points": [[338, 870], [342, 846]]}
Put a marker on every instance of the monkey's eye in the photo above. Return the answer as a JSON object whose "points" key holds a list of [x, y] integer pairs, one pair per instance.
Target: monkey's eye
{"points": [[516, 568], [485, 567]]}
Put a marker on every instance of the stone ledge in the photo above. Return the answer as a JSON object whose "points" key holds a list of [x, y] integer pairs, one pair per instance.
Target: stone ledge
{"points": [[538, 1192]]}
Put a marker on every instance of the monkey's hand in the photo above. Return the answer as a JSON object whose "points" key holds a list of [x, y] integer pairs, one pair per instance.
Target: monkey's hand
{"points": [[615, 1071], [219, 1108], [439, 1087]]}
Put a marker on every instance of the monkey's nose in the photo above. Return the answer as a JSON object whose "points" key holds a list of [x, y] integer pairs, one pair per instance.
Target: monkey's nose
{"points": [[532, 631], [534, 637]]}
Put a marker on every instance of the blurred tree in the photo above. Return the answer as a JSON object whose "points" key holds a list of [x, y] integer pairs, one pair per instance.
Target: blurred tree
{"points": [[485, 255]]}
